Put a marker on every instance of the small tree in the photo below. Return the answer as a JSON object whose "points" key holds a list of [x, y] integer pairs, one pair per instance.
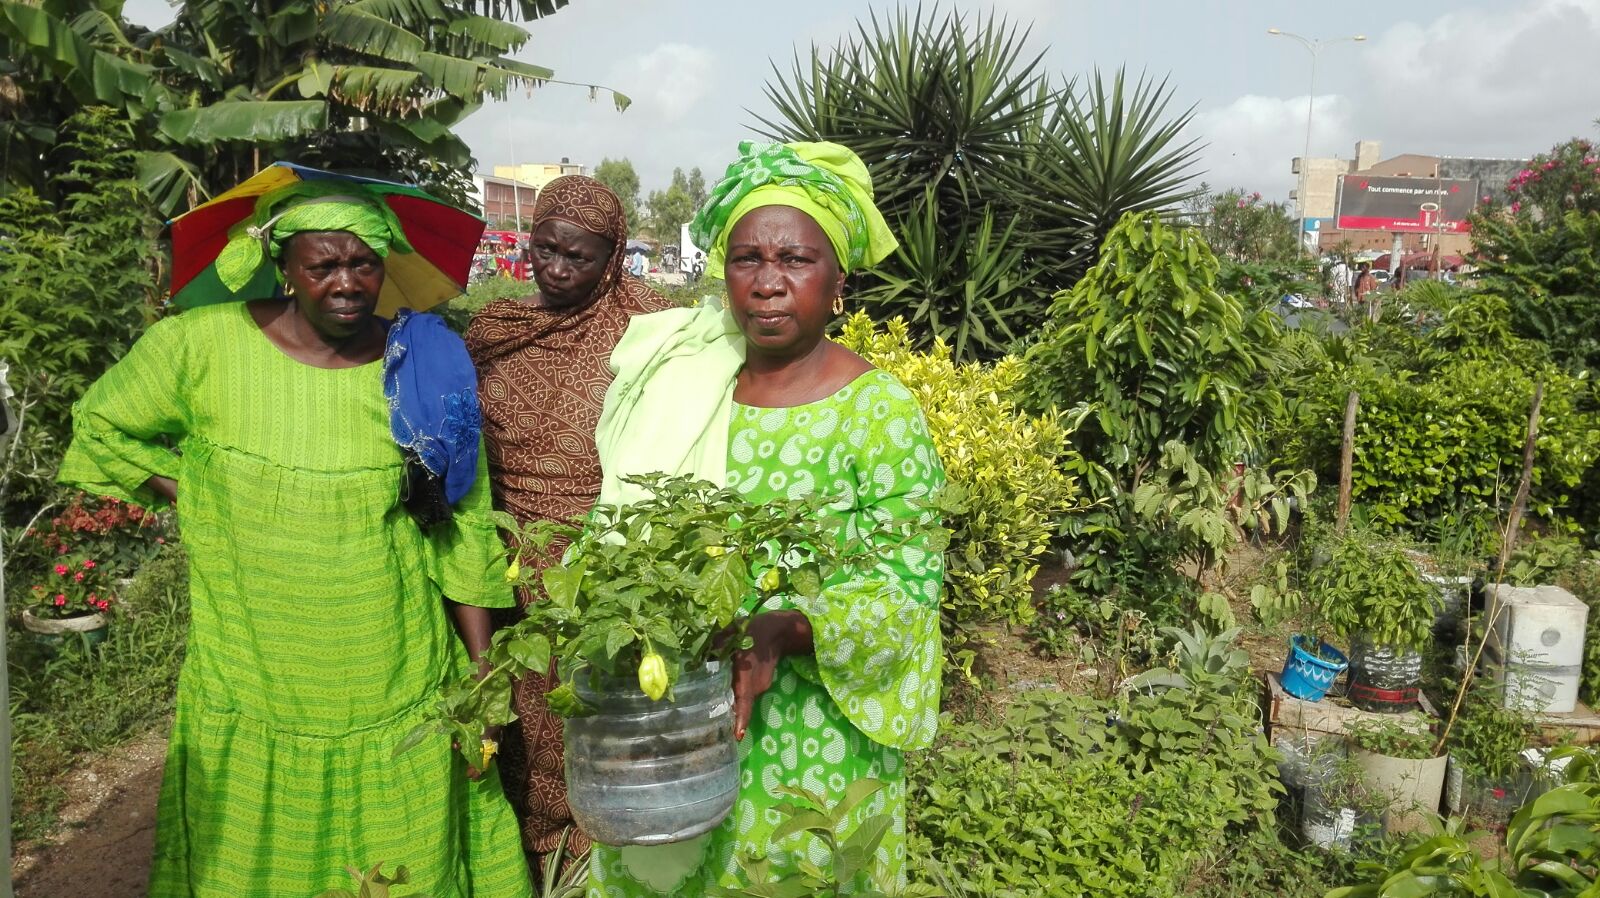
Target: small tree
{"points": [[1241, 226], [618, 174], [671, 209]]}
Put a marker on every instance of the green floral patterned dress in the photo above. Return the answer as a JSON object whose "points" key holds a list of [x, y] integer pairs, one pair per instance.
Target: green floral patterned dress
{"points": [[318, 637], [872, 689]]}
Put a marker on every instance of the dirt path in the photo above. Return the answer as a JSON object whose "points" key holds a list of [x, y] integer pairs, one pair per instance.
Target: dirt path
{"points": [[102, 848]]}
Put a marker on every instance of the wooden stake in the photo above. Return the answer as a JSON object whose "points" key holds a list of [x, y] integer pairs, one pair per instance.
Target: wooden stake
{"points": [[1347, 459], [1520, 503]]}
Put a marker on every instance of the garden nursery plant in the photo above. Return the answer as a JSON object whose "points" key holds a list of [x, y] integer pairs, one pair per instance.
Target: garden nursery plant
{"points": [[648, 591]]}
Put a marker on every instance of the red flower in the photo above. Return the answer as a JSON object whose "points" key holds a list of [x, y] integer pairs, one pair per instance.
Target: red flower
{"points": [[78, 577], [61, 599], [62, 550], [61, 570], [1498, 793], [88, 565], [160, 541]]}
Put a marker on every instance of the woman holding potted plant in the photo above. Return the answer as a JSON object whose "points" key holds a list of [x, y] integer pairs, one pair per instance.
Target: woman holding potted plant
{"points": [[830, 688]]}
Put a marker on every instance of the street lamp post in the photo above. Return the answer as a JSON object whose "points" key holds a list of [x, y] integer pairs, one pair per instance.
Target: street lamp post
{"points": [[1313, 46]]}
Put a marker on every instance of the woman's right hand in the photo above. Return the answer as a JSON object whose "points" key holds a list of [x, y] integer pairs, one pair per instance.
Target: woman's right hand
{"points": [[165, 487]]}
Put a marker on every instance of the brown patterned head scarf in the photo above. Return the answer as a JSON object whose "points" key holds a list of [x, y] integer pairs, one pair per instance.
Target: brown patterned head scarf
{"points": [[582, 201]]}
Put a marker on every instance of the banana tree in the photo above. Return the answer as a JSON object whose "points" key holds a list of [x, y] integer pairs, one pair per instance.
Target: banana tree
{"points": [[374, 85]]}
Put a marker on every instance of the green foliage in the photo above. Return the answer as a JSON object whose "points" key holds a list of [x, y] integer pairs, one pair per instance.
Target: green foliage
{"points": [[851, 866], [1370, 588], [75, 704], [1387, 737], [1443, 413], [673, 577], [1487, 739], [1549, 851], [1549, 272], [1068, 796], [667, 211], [618, 174], [1161, 355], [458, 312], [78, 286], [369, 85], [999, 181], [1004, 462]]}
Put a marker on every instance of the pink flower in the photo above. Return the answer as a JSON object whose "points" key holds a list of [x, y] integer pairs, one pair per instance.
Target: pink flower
{"points": [[88, 565], [1516, 206], [61, 570], [1241, 202], [61, 599], [62, 550], [160, 541], [78, 577], [1498, 793]]}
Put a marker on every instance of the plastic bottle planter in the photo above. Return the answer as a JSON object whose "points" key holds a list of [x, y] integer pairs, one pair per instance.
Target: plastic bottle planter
{"points": [[1307, 676], [1494, 801], [1447, 621], [1328, 824], [642, 772], [51, 633], [1383, 678]]}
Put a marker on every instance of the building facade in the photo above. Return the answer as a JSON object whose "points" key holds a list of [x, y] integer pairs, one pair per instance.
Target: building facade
{"points": [[1316, 198], [540, 173], [504, 201]]}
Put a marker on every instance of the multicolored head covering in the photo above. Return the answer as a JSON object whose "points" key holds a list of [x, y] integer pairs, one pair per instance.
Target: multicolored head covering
{"points": [[307, 206], [824, 180]]}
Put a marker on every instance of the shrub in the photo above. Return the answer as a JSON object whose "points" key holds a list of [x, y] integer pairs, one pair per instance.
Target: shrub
{"points": [[1003, 460], [1055, 800], [66, 707]]}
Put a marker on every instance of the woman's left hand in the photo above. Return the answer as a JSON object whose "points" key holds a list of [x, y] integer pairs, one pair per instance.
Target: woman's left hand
{"points": [[775, 634]]}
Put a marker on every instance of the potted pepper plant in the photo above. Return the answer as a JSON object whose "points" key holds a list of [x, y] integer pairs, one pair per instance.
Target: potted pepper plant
{"points": [[71, 603], [641, 616], [1374, 598], [1488, 773]]}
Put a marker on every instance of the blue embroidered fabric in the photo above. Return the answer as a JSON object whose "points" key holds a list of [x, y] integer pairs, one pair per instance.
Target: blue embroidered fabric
{"points": [[432, 389]]}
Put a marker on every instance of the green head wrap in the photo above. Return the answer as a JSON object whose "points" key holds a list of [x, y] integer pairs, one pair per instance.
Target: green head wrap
{"points": [[306, 206], [824, 180]]}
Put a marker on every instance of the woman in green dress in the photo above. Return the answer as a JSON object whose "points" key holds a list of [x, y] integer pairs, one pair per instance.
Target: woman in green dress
{"points": [[833, 689], [322, 602]]}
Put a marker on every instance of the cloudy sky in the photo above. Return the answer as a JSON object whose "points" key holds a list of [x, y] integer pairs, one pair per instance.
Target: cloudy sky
{"points": [[1466, 77]]}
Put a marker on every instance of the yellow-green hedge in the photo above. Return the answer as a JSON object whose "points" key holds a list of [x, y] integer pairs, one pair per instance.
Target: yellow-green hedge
{"points": [[1006, 462]]}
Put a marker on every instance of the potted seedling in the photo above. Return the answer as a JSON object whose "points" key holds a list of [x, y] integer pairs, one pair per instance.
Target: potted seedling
{"points": [[1312, 664], [642, 615], [1340, 808], [1371, 595], [1488, 773], [1400, 763]]}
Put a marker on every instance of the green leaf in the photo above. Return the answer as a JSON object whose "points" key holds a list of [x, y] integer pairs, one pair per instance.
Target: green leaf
{"points": [[268, 121]]}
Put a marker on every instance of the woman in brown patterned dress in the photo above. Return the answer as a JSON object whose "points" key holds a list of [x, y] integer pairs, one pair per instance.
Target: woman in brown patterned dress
{"points": [[542, 376]]}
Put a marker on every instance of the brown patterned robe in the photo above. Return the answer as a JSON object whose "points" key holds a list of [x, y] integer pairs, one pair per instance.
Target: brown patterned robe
{"points": [[542, 378]]}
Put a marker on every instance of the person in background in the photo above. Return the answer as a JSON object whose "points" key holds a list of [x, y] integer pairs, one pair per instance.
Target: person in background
{"points": [[542, 374], [1365, 282], [834, 689], [322, 602]]}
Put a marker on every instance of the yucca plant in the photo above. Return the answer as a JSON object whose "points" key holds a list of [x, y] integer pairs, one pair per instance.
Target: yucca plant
{"points": [[999, 182]]}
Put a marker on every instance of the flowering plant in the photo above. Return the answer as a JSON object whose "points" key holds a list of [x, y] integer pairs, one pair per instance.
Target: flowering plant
{"points": [[121, 535], [73, 588]]}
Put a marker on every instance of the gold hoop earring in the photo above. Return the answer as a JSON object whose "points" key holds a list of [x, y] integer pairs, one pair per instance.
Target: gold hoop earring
{"points": [[288, 289], [838, 306]]}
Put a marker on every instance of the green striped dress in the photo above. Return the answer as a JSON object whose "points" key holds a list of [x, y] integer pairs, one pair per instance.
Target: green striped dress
{"points": [[318, 637], [871, 691]]}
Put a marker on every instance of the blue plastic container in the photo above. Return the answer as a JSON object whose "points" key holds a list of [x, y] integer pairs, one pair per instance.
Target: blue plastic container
{"points": [[1306, 676]]}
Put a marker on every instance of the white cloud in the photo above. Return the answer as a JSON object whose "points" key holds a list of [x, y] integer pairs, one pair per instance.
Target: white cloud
{"points": [[1511, 80], [1251, 140], [672, 79]]}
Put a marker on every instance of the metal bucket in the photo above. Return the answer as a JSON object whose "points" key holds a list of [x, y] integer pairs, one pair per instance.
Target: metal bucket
{"points": [[643, 772], [1382, 678]]}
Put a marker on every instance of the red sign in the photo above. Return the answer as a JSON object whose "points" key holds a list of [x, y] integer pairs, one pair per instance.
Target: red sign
{"points": [[1429, 205]]}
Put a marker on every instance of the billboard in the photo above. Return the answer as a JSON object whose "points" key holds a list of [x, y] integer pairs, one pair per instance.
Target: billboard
{"points": [[1429, 205]]}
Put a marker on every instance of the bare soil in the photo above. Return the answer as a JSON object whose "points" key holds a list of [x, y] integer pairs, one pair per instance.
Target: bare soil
{"points": [[103, 846]]}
